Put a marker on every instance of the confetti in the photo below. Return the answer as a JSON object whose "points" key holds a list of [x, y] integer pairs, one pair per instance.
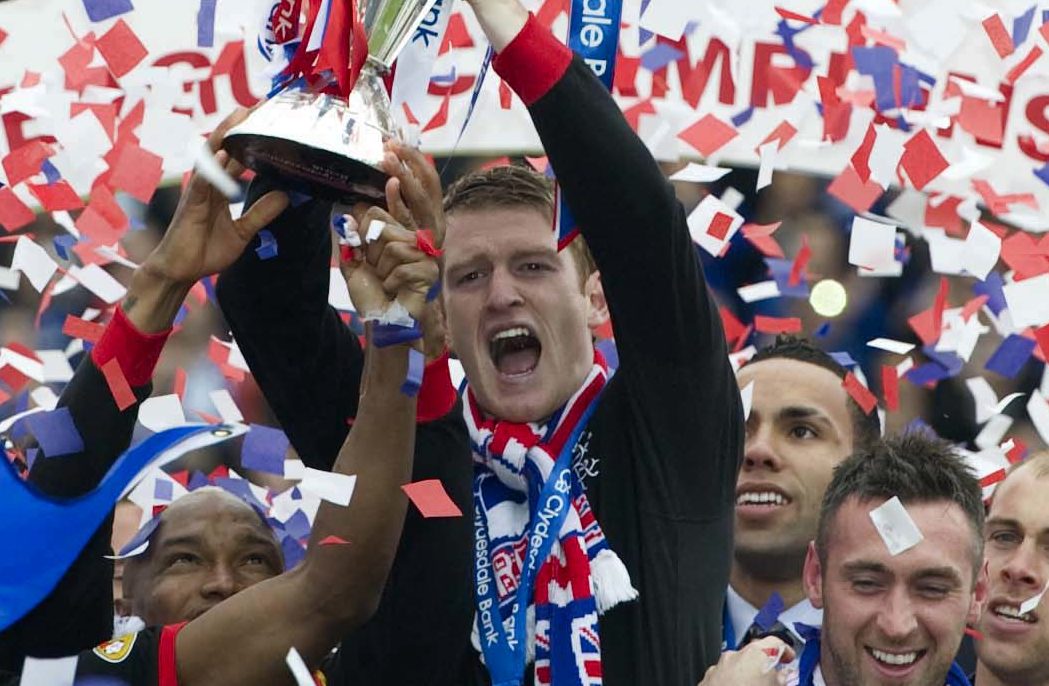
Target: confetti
{"points": [[699, 173], [851, 190], [299, 671], [872, 245], [333, 540], [889, 345], [34, 262], [1000, 38], [161, 412], [264, 449], [1033, 602], [118, 385], [922, 160], [49, 671], [335, 488], [136, 171], [895, 526], [777, 325], [708, 135], [890, 386], [206, 24], [430, 498], [25, 161], [1027, 302], [1010, 356], [75, 327], [55, 432], [14, 214], [860, 393], [100, 10], [121, 48]]}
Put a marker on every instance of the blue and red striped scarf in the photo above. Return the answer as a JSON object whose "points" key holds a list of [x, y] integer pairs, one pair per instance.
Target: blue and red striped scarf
{"points": [[582, 577]]}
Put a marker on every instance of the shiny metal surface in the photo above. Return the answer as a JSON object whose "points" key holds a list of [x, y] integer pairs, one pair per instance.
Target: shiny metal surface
{"points": [[321, 144]]}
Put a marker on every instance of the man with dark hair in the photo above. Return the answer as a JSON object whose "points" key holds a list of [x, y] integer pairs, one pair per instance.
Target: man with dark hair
{"points": [[602, 506], [1013, 648], [802, 424], [896, 568]]}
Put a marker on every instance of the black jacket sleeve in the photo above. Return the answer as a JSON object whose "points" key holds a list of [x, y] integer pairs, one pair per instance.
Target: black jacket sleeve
{"points": [[78, 614], [308, 364], [667, 328]]}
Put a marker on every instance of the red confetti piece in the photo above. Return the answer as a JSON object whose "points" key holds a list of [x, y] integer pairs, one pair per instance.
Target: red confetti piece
{"points": [[55, 197], [14, 214], [992, 478], [424, 241], [719, 225], [1000, 38], [3, 36], [708, 135], [973, 633], [860, 393], [333, 540], [24, 161], [732, 326], [75, 62], [136, 171], [121, 48], [431, 499], [1044, 30], [118, 384], [179, 383], [922, 160], [939, 304], [1042, 336], [787, 14], [883, 38], [853, 191], [777, 325], [1017, 452], [890, 387], [783, 133], [982, 119], [75, 327], [93, 225], [944, 215], [800, 261], [861, 158], [506, 95], [760, 236], [12, 378], [973, 306], [1022, 66]]}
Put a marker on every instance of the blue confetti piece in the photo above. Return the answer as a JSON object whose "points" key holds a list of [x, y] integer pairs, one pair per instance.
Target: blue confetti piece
{"points": [[1043, 174], [946, 359], [298, 525], [293, 551], [206, 24], [929, 372], [197, 480], [63, 244], [780, 271], [844, 359], [435, 290], [183, 312], [769, 613], [267, 249], [992, 288], [163, 490], [296, 198], [878, 62], [263, 449], [384, 335], [822, 331], [55, 432], [659, 56], [1022, 26], [50, 172], [30, 457], [338, 224], [1010, 356], [100, 10], [806, 631], [743, 117], [296, 494], [141, 536], [413, 380]]}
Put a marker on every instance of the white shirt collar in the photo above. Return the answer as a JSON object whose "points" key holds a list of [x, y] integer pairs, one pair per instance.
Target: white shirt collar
{"points": [[742, 614]]}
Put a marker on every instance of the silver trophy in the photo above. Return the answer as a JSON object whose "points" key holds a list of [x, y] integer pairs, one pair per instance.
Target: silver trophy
{"points": [[322, 144]]}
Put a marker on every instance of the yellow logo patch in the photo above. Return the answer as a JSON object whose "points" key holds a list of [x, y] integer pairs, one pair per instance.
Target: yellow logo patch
{"points": [[116, 650]]}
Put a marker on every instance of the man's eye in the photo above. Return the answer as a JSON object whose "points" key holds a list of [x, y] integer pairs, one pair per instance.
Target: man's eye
{"points": [[1005, 537], [933, 591], [183, 559], [802, 431], [256, 560], [468, 277], [865, 585]]}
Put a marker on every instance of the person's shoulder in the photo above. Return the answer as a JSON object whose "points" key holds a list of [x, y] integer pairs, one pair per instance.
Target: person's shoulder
{"points": [[132, 657]]}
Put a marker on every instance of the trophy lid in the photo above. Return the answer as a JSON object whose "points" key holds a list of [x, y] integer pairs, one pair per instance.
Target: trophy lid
{"points": [[390, 24]]}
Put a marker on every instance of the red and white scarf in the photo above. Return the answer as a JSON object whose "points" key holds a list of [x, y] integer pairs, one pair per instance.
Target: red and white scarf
{"points": [[582, 577]]}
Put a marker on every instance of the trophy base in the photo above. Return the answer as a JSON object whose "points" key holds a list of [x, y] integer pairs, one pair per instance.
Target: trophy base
{"points": [[313, 171]]}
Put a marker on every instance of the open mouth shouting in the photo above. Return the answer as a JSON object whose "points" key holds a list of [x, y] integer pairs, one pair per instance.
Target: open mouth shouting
{"points": [[895, 663], [515, 352]]}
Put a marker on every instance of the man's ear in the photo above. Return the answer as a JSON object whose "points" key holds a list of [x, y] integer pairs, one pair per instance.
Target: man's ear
{"points": [[980, 592], [597, 307], [812, 577]]}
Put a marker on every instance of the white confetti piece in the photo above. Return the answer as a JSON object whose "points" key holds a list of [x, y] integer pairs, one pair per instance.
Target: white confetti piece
{"points": [[1038, 411], [699, 221], [161, 412], [895, 526], [889, 345], [34, 262], [100, 282], [374, 230], [298, 668], [224, 403], [294, 470], [872, 245], [762, 290], [9, 279], [1027, 301], [206, 165], [746, 394], [767, 154], [335, 488], [699, 173], [980, 251], [1033, 602], [49, 672]]}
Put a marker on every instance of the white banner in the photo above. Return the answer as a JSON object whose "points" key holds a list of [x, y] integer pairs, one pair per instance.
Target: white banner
{"points": [[988, 123]]}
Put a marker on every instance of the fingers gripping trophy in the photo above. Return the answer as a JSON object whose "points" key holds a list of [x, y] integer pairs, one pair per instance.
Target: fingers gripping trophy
{"points": [[323, 133]]}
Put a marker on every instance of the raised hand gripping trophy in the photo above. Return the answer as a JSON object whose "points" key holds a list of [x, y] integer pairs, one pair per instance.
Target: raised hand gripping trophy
{"points": [[324, 132]]}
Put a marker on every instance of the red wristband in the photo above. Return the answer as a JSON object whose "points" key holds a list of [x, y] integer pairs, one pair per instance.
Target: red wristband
{"points": [[136, 352], [533, 61]]}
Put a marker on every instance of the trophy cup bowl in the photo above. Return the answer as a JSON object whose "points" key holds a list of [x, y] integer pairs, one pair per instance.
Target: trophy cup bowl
{"points": [[321, 144]]}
